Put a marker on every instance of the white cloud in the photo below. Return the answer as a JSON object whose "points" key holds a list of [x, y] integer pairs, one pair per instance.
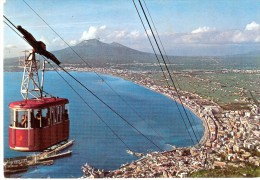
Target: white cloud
{"points": [[73, 42], [56, 40], [201, 35], [62, 44], [208, 35], [44, 40], [148, 32], [203, 29], [251, 34], [92, 33], [257, 39], [28, 47], [187, 38], [239, 37], [134, 34], [102, 27], [124, 35], [252, 26], [55, 43], [10, 46], [120, 34]]}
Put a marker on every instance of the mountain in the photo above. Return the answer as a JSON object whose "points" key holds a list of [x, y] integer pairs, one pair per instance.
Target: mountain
{"points": [[97, 53], [249, 54]]}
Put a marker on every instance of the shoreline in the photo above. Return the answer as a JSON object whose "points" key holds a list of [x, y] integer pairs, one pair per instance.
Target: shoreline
{"points": [[202, 141], [231, 137], [228, 137], [121, 74], [206, 133]]}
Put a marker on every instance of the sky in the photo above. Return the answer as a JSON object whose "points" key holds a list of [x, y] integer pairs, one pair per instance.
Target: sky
{"points": [[186, 27]]}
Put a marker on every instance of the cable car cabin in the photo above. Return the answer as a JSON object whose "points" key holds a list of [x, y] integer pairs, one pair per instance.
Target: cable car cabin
{"points": [[36, 124]]}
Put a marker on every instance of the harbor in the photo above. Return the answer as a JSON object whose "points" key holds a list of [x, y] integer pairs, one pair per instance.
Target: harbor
{"points": [[47, 157]]}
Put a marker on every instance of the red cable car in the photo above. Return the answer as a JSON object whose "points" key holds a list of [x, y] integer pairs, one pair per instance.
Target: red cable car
{"points": [[38, 122]]}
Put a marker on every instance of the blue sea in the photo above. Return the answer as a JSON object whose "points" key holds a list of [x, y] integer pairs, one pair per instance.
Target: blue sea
{"points": [[153, 114]]}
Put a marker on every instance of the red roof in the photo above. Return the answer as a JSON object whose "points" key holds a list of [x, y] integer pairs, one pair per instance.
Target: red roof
{"points": [[38, 103]]}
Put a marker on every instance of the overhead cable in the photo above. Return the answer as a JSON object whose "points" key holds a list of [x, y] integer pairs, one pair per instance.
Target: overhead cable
{"points": [[167, 58], [110, 128], [162, 69], [114, 111], [167, 68], [103, 80]]}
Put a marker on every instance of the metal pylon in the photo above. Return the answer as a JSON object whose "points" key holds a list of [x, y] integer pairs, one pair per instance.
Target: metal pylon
{"points": [[30, 83]]}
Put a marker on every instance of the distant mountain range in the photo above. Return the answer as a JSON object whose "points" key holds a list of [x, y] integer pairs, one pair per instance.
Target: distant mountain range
{"points": [[250, 54], [96, 53], [99, 54]]}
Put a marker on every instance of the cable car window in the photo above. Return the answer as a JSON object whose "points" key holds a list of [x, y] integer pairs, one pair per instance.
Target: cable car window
{"points": [[22, 119], [45, 121], [58, 110], [61, 113], [36, 118], [66, 113], [48, 116], [53, 115], [12, 119]]}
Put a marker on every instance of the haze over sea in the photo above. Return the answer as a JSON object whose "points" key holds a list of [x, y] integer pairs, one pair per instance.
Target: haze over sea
{"points": [[94, 143]]}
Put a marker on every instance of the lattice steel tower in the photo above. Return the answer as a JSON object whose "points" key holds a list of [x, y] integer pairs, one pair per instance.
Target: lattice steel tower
{"points": [[31, 85]]}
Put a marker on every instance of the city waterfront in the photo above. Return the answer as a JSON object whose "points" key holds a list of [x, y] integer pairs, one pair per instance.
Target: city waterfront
{"points": [[231, 139]]}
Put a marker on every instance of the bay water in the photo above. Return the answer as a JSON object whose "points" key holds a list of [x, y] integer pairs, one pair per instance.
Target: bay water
{"points": [[154, 115]]}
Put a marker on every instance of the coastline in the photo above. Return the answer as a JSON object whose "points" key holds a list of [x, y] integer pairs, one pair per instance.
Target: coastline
{"points": [[228, 139], [148, 85], [206, 133], [141, 160]]}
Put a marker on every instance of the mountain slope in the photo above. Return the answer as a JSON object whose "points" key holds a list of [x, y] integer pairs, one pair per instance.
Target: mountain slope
{"points": [[98, 53], [249, 54], [95, 53]]}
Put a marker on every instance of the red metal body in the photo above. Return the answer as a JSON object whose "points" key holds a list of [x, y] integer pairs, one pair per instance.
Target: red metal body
{"points": [[38, 103], [54, 126]]}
